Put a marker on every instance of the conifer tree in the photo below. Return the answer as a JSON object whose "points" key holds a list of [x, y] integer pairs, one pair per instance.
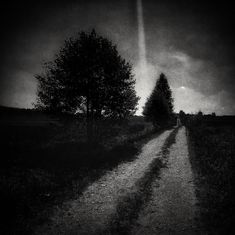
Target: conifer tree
{"points": [[159, 106]]}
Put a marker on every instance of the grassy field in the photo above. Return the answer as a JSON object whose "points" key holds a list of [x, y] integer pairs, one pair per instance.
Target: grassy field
{"points": [[213, 159], [46, 160]]}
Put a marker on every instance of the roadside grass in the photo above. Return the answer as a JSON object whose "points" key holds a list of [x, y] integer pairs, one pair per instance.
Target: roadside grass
{"points": [[41, 166], [212, 153]]}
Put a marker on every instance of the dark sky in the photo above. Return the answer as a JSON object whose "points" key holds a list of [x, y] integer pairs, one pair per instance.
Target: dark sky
{"points": [[192, 42]]}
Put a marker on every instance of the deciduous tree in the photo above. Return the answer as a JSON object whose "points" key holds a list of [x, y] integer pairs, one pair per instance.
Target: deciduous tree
{"points": [[88, 76]]}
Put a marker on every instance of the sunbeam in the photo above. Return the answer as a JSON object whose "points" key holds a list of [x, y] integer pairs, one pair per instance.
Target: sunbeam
{"points": [[142, 69], [141, 35]]}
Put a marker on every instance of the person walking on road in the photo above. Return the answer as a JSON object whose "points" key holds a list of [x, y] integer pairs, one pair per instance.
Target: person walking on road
{"points": [[178, 122]]}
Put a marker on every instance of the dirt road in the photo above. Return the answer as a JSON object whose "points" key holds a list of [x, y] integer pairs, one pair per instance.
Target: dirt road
{"points": [[152, 194], [172, 206]]}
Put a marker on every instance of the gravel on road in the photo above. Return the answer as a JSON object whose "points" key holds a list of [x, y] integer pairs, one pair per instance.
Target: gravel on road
{"points": [[91, 212]]}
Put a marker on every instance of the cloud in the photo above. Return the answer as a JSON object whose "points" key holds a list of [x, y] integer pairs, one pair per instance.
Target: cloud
{"points": [[19, 92], [201, 75], [195, 83], [191, 42], [193, 101]]}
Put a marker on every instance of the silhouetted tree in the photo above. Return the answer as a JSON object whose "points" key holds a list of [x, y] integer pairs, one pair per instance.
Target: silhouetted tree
{"points": [[163, 87], [200, 113], [159, 106], [182, 117], [88, 76]]}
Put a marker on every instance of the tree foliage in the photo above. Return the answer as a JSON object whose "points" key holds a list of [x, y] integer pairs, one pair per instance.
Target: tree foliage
{"points": [[159, 106], [182, 117], [89, 76]]}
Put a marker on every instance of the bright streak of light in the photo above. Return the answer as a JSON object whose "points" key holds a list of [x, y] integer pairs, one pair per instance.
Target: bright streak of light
{"points": [[142, 73], [141, 35]]}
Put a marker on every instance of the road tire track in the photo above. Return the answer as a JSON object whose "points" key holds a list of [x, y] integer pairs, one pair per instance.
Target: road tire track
{"points": [[91, 212], [172, 206], [129, 205]]}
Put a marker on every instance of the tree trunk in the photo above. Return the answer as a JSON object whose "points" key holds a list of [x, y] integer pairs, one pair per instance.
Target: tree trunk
{"points": [[88, 126], [90, 121]]}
